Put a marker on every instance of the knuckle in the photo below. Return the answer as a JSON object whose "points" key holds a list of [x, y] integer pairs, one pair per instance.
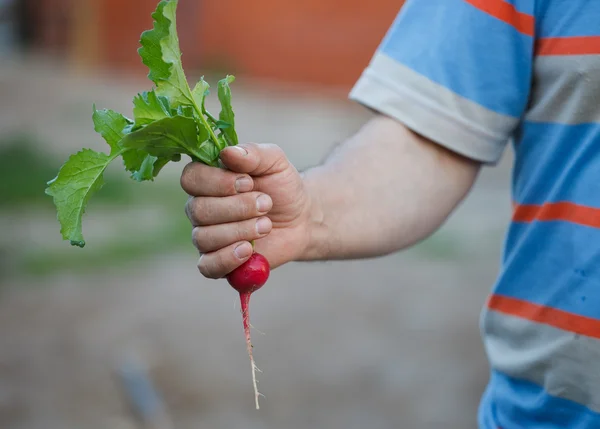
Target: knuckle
{"points": [[193, 210], [188, 176], [219, 266], [202, 267], [201, 211], [255, 150], [275, 148], [242, 231], [189, 204], [277, 159], [250, 145], [214, 265], [205, 268], [247, 206], [226, 185], [200, 240], [281, 159], [275, 151]]}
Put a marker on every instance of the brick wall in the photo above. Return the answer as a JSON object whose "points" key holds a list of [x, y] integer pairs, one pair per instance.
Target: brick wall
{"points": [[311, 41], [315, 41]]}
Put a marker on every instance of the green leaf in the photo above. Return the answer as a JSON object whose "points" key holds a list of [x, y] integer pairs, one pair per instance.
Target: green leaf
{"points": [[208, 153], [146, 170], [186, 111], [200, 92], [161, 162], [133, 160], [78, 179], [112, 126], [222, 142], [169, 137], [206, 147], [164, 138], [222, 125], [147, 108], [210, 117], [227, 115], [165, 102], [151, 166], [203, 135], [169, 121], [161, 54]]}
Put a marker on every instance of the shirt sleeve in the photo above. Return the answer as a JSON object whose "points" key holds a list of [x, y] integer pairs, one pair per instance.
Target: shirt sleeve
{"points": [[456, 71]]}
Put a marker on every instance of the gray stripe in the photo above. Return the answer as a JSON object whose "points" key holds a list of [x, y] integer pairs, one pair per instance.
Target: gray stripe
{"points": [[567, 365], [433, 110], [566, 90]]}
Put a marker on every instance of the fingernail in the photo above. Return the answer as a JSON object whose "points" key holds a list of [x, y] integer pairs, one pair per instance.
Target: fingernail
{"points": [[243, 184], [243, 151], [263, 203], [243, 251], [263, 225]]}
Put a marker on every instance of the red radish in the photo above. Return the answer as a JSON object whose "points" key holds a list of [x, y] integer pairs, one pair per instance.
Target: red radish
{"points": [[247, 279]]}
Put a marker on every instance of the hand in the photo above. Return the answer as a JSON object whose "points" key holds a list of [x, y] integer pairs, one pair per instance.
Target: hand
{"points": [[260, 197]]}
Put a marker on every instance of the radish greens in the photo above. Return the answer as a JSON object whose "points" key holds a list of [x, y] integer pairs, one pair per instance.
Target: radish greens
{"points": [[168, 121]]}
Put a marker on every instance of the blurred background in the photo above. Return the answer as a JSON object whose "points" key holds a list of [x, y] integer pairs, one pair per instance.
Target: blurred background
{"points": [[126, 334]]}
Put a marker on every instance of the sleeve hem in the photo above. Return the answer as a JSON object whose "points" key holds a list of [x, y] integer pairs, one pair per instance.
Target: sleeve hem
{"points": [[423, 116]]}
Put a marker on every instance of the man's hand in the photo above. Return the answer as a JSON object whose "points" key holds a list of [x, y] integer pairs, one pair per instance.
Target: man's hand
{"points": [[260, 197], [383, 190]]}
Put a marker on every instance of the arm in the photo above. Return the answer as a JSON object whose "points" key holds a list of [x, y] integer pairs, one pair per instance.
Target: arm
{"points": [[383, 190], [461, 87], [464, 84]]}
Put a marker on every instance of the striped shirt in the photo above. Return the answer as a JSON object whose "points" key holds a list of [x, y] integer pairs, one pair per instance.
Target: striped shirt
{"points": [[474, 75]]}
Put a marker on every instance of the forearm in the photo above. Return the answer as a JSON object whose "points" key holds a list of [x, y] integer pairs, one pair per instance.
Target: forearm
{"points": [[383, 190]]}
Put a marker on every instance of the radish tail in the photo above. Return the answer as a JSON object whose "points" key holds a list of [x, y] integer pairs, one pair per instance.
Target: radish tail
{"points": [[245, 301]]}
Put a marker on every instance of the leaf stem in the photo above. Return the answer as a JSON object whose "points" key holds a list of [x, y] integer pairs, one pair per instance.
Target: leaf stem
{"points": [[210, 116], [195, 158], [212, 134], [198, 155], [206, 112]]}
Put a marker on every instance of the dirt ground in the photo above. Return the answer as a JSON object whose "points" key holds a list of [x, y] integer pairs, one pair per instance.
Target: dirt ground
{"points": [[384, 343]]}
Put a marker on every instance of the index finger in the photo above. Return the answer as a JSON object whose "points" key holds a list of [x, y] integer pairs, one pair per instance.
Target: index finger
{"points": [[200, 180]]}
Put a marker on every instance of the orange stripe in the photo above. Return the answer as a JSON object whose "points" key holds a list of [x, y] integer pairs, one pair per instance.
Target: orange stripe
{"points": [[563, 211], [547, 315], [584, 45], [506, 12]]}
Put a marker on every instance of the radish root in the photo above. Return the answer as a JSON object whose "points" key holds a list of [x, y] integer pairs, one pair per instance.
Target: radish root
{"points": [[245, 300]]}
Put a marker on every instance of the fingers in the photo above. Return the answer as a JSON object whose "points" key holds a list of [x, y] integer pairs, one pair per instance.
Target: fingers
{"points": [[198, 179], [254, 159], [226, 211], [211, 238], [212, 210], [218, 264], [242, 160]]}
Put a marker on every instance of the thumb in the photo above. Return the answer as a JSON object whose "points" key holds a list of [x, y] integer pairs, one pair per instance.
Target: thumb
{"points": [[254, 159]]}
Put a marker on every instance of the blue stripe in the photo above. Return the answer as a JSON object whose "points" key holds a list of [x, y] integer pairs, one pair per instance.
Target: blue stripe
{"points": [[466, 50], [516, 404], [556, 162], [523, 6], [487, 418], [564, 18], [556, 264]]}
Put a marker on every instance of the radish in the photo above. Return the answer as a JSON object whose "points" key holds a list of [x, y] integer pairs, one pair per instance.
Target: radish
{"points": [[169, 121], [247, 279]]}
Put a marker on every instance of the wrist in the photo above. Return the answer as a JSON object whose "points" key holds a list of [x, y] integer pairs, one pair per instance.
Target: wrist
{"points": [[317, 231]]}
